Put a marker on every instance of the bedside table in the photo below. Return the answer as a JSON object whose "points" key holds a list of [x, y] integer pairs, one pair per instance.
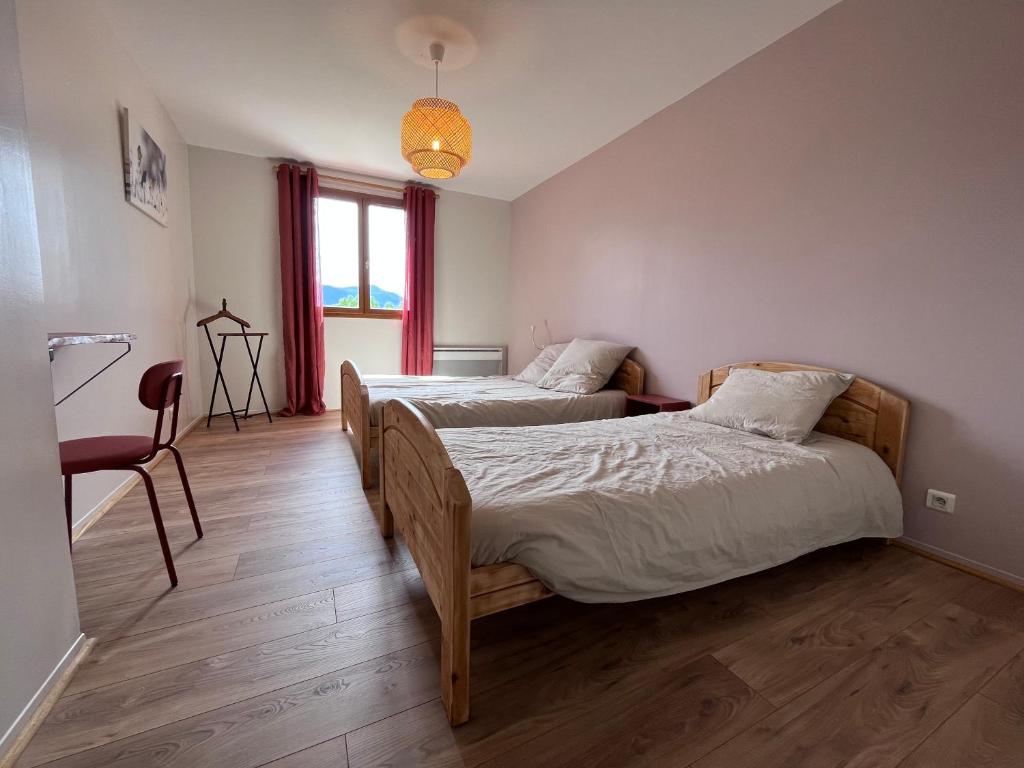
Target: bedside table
{"points": [[639, 405]]}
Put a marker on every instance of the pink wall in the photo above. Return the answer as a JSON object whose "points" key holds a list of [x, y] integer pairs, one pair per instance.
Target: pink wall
{"points": [[851, 196]]}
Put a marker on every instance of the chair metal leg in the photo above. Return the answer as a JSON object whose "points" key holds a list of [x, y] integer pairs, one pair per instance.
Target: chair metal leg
{"points": [[67, 504], [188, 490], [159, 522]]}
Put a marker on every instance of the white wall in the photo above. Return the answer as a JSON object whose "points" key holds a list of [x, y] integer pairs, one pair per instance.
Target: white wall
{"points": [[472, 245], [38, 616], [235, 241], [234, 223], [106, 265]]}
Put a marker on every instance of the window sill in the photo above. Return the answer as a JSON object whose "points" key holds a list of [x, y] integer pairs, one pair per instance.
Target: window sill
{"points": [[379, 314]]}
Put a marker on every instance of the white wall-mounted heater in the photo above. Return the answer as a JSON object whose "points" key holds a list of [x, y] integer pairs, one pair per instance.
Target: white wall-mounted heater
{"points": [[470, 361]]}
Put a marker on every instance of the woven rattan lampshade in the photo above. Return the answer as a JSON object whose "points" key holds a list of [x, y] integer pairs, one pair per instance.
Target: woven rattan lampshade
{"points": [[437, 139]]}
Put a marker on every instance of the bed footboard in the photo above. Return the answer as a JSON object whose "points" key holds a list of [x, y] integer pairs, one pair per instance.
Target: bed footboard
{"points": [[355, 415], [425, 498]]}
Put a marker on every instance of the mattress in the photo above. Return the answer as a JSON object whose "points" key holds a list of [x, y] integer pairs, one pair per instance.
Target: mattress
{"points": [[490, 401], [613, 511]]}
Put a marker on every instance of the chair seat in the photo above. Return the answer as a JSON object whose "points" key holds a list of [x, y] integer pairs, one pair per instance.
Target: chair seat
{"points": [[92, 454]]}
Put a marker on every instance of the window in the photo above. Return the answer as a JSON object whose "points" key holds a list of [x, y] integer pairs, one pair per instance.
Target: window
{"points": [[362, 254]]}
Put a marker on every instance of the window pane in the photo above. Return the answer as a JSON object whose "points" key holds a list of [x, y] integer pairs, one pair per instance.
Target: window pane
{"points": [[338, 233], [387, 257]]}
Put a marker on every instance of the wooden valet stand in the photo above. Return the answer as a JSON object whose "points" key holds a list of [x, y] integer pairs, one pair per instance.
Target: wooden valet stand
{"points": [[218, 359]]}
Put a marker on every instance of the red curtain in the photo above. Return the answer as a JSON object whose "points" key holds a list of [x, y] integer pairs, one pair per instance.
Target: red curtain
{"points": [[418, 311], [302, 303]]}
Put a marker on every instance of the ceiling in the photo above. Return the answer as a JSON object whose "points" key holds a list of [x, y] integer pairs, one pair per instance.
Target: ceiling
{"points": [[543, 82]]}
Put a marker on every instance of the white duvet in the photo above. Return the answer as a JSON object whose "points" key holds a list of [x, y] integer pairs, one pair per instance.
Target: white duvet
{"points": [[627, 509], [490, 401]]}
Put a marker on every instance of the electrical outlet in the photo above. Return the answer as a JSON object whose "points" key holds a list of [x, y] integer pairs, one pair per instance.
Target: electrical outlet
{"points": [[940, 501]]}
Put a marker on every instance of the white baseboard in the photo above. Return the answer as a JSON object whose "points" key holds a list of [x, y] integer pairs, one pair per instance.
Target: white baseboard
{"points": [[93, 516], [18, 735], [965, 563]]}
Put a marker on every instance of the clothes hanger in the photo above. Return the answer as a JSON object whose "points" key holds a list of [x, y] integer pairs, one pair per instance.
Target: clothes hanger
{"points": [[223, 313]]}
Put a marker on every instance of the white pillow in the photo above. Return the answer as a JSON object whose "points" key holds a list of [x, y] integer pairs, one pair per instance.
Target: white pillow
{"points": [[585, 366], [784, 406], [535, 371]]}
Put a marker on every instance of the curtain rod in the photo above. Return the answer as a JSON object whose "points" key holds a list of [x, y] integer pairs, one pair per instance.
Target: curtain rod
{"points": [[343, 180]]}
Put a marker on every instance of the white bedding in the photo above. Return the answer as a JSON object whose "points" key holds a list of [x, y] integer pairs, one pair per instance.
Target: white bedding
{"points": [[612, 511], [490, 401]]}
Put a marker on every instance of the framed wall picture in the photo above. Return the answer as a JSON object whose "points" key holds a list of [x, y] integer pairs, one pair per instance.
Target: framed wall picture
{"points": [[145, 169]]}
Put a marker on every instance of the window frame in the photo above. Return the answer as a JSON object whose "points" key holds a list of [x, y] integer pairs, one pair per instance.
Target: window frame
{"points": [[364, 202]]}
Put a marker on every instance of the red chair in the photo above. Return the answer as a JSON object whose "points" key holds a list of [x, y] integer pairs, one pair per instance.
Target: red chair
{"points": [[160, 387]]}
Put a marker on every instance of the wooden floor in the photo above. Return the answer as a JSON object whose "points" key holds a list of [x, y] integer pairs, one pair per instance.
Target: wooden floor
{"points": [[298, 638]]}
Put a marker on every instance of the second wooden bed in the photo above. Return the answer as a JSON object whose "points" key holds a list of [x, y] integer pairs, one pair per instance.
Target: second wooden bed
{"points": [[356, 410]]}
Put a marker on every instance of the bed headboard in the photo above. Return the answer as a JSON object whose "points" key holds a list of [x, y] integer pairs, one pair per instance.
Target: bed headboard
{"points": [[866, 413], [629, 376]]}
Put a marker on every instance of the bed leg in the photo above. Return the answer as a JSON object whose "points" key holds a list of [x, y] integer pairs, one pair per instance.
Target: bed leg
{"points": [[344, 426], [385, 519], [455, 667], [369, 448], [455, 603]]}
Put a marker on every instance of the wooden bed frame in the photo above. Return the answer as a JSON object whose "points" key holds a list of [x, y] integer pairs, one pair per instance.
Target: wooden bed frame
{"points": [[355, 411], [425, 498]]}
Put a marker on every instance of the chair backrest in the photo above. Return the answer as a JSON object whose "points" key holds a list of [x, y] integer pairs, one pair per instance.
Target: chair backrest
{"points": [[154, 390], [159, 388]]}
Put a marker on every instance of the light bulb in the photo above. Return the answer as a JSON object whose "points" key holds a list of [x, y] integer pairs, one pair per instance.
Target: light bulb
{"points": [[435, 145]]}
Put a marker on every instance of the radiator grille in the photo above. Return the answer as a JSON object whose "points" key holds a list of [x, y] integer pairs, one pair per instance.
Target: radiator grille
{"points": [[470, 361]]}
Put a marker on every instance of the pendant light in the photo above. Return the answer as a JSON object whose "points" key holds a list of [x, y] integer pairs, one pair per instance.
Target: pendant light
{"points": [[436, 139]]}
